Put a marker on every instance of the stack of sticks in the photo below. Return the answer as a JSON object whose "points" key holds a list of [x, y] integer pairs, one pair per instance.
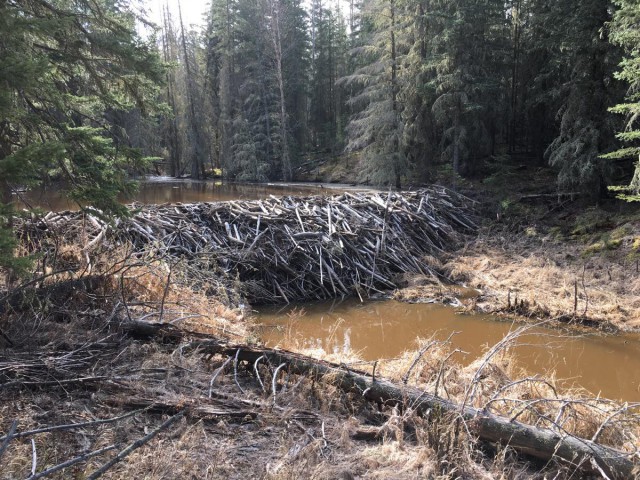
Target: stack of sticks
{"points": [[285, 249]]}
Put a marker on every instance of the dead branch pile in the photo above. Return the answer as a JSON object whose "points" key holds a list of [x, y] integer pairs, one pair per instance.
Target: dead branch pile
{"points": [[537, 441], [82, 394], [290, 248]]}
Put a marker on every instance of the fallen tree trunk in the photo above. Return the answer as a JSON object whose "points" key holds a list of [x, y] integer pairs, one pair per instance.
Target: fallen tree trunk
{"points": [[542, 443]]}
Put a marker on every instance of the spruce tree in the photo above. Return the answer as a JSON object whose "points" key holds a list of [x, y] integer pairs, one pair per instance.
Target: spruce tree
{"points": [[376, 129], [585, 131], [466, 63], [624, 31], [63, 65], [328, 63]]}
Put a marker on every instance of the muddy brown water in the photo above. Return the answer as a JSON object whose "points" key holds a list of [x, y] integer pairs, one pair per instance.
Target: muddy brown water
{"points": [[157, 190], [608, 366], [605, 365]]}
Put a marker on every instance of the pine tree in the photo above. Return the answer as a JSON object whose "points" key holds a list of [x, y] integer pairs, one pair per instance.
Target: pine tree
{"points": [[222, 77]]}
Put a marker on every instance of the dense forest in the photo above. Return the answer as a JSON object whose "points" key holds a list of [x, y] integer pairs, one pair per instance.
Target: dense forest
{"points": [[410, 86], [91, 91]]}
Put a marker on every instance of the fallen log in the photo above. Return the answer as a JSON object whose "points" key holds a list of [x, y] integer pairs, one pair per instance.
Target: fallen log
{"points": [[543, 443]]}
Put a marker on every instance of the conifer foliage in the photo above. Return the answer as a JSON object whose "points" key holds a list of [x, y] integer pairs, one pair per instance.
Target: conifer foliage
{"points": [[625, 31], [410, 88], [67, 67]]}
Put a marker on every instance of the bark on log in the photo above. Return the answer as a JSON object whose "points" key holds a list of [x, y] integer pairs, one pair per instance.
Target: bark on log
{"points": [[542, 443]]}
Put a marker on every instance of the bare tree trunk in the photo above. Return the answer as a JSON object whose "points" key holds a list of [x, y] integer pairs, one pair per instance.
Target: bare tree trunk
{"points": [[516, 8], [5, 151], [211, 82], [6, 197], [274, 5], [456, 134], [197, 165]]}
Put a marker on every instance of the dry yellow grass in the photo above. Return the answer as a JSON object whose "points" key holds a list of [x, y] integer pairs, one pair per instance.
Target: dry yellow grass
{"points": [[542, 275], [314, 431]]}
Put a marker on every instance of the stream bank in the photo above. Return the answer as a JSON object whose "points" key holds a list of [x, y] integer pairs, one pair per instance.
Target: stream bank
{"points": [[562, 256], [124, 352], [603, 365], [535, 272], [168, 383]]}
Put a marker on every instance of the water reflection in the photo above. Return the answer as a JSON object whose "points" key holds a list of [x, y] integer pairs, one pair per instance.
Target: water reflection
{"points": [[156, 190], [605, 365]]}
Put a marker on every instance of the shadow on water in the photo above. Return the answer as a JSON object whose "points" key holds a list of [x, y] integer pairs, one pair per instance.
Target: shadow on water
{"points": [[605, 365]]}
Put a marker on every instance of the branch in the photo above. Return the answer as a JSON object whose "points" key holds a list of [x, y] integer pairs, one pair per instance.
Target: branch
{"points": [[8, 437], [71, 426], [73, 461], [135, 445]]}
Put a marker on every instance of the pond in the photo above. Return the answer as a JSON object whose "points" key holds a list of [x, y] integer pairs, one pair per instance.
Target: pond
{"points": [[605, 365], [156, 190]]}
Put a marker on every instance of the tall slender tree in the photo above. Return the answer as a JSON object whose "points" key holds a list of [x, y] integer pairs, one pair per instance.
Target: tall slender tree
{"points": [[170, 133], [376, 130]]}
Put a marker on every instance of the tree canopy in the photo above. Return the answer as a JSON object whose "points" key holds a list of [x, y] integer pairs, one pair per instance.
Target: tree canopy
{"points": [[625, 31], [67, 69]]}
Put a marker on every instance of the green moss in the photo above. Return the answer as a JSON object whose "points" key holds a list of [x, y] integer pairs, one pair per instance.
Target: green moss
{"points": [[606, 244], [592, 220]]}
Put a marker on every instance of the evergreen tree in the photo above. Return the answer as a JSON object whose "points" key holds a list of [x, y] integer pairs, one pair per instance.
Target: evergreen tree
{"points": [[467, 68], [585, 131], [170, 131], [195, 118], [328, 63], [624, 31], [376, 130], [63, 65], [419, 126], [257, 77]]}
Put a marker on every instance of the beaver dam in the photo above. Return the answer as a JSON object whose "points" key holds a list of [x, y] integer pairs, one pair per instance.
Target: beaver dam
{"points": [[289, 248], [125, 356]]}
